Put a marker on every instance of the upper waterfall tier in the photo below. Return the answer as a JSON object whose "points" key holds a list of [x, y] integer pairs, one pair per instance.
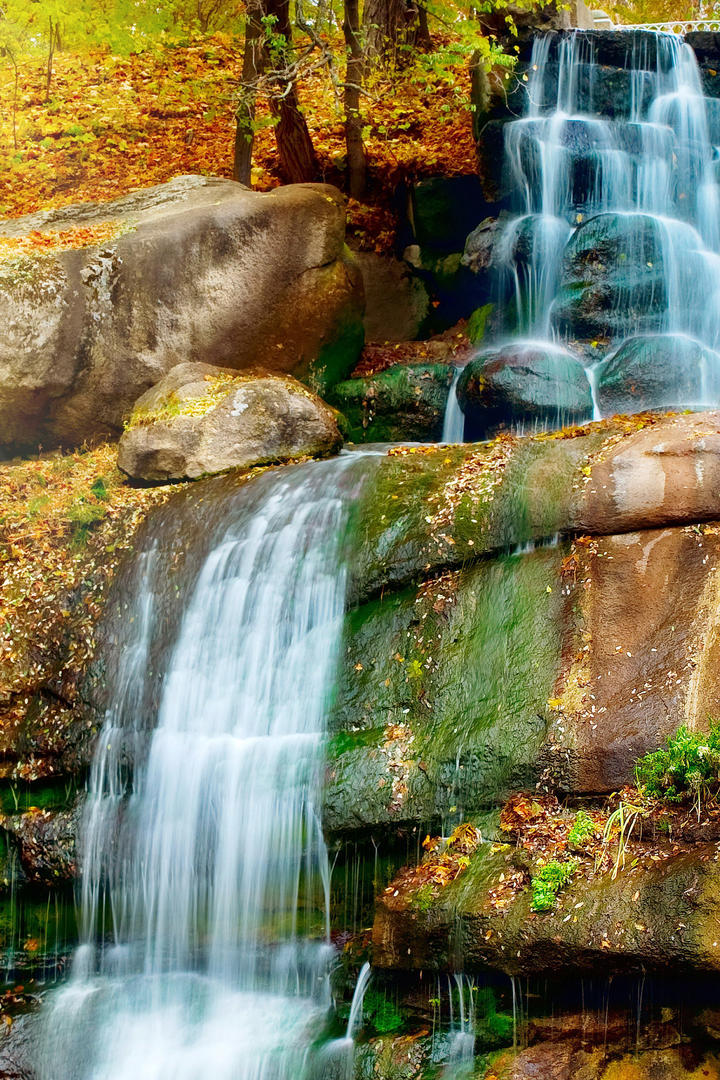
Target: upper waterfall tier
{"points": [[611, 175]]}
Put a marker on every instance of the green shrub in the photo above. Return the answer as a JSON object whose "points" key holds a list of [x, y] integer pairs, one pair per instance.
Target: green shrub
{"points": [[546, 884], [99, 489], [687, 769], [582, 829], [381, 1013]]}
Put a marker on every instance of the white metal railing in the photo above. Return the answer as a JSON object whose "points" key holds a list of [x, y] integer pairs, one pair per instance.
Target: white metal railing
{"points": [[676, 27]]}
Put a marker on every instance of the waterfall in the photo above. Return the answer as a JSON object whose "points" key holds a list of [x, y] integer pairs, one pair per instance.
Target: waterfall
{"points": [[613, 173], [205, 952], [454, 421]]}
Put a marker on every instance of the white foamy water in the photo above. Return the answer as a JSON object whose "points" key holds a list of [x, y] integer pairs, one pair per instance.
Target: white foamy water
{"points": [[203, 854]]}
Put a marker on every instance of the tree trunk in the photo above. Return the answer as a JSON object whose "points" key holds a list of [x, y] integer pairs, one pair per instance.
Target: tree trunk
{"points": [[298, 163], [423, 39], [253, 60], [295, 148], [356, 163], [385, 23]]}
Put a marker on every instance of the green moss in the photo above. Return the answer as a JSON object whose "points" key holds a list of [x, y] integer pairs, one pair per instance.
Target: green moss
{"points": [[404, 402], [381, 1012], [344, 741], [84, 515], [389, 526], [461, 678], [477, 323], [17, 798], [218, 387]]}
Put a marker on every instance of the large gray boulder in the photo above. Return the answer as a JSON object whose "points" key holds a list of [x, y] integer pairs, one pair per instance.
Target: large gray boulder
{"points": [[201, 419], [197, 269]]}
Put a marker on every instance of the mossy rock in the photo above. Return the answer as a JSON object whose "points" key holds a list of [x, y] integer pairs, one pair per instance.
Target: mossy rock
{"points": [[442, 694], [657, 371], [404, 402]]}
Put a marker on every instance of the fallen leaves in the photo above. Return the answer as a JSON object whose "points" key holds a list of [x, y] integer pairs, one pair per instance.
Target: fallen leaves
{"points": [[61, 239], [62, 534]]}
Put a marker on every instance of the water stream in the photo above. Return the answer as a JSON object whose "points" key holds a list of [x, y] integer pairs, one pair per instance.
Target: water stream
{"points": [[612, 247], [202, 846]]}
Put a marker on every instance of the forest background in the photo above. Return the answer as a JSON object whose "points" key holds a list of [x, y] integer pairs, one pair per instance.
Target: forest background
{"points": [[98, 97]]}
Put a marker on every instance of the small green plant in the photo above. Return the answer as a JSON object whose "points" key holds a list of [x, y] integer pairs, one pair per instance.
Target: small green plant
{"points": [[423, 898], [687, 769], [494, 1028], [548, 882], [623, 821], [582, 829], [381, 1013], [99, 489], [37, 505]]}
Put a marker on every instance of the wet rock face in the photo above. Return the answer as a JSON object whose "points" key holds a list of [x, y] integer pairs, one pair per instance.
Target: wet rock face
{"points": [[201, 420], [612, 280], [195, 269], [523, 384], [477, 661], [652, 916], [657, 372], [46, 842]]}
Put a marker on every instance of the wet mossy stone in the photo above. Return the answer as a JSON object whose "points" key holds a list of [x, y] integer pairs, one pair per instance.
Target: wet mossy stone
{"points": [[442, 694], [404, 402], [658, 371], [523, 384], [613, 278]]}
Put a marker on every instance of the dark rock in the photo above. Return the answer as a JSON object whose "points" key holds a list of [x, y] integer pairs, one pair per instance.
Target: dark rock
{"points": [[658, 372], [481, 245], [396, 302], [445, 209], [201, 419], [613, 279], [523, 384], [405, 402], [46, 844]]}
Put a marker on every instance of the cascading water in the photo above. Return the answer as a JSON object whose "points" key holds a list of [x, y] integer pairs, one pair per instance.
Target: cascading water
{"points": [[206, 856], [613, 251], [454, 421]]}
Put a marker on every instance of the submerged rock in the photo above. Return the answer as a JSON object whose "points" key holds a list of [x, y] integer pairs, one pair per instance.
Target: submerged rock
{"points": [[523, 384], [406, 401], [658, 371], [195, 269], [201, 419]]}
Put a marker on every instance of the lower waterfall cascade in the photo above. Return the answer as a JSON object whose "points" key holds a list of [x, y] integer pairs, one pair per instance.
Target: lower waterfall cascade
{"points": [[207, 857]]}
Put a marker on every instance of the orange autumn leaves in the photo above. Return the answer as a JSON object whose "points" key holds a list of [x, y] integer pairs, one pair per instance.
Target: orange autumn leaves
{"points": [[62, 239], [114, 124]]}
